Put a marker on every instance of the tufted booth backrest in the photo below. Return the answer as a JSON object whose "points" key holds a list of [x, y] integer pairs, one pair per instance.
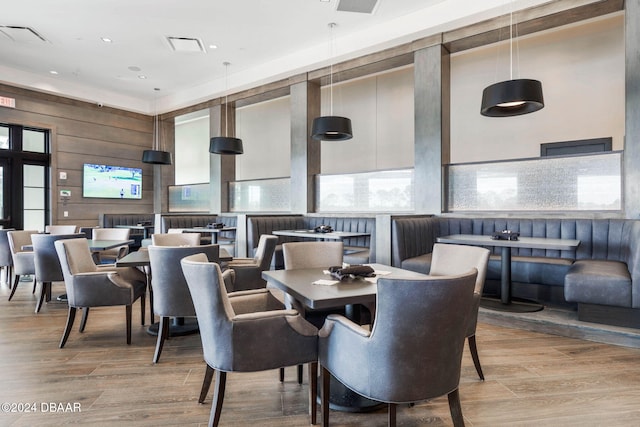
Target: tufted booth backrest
{"points": [[110, 220], [184, 221], [259, 225], [351, 224]]}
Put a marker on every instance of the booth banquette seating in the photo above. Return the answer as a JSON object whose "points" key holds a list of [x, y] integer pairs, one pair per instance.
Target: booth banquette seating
{"points": [[601, 276], [226, 239], [111, 220], [358, 250]]}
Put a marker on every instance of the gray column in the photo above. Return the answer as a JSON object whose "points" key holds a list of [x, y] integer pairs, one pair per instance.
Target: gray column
{"points": [[431, 92], [305, 152], [164, 175], [222, 168], [631, 179]]}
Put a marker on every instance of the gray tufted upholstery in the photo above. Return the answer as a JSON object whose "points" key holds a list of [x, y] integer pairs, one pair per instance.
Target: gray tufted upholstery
{"points": [[359, 249], [6, 260], [171, 297], [248, 271], [245, 332], [422, 323], [89, 285], [23, 262], [449, 260], [46, 262]]}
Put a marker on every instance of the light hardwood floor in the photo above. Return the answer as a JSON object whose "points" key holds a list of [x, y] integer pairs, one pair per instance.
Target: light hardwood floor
{"points": [[532, 379]]}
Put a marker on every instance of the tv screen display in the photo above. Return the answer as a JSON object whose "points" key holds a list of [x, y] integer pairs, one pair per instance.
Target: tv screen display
{"points": [[111, 182]]}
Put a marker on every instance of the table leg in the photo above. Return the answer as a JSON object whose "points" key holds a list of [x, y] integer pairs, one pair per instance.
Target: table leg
{"points": [[506, 302]]}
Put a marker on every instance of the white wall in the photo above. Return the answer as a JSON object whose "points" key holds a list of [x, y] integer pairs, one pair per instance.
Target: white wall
{"points": [[191, 157], [381, 112], [581, 68], [265, 130]]}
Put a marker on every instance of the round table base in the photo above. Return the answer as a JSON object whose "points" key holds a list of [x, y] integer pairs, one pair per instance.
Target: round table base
{"points": [[177, 328], [517, 305]]}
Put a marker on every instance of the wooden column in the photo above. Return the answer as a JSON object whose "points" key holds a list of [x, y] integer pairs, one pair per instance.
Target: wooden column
{"points": [[222, 168], [305, 152], [431, 94], [631, 178]]}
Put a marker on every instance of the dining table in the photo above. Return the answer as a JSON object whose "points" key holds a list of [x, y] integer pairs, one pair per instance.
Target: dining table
{"points": [[316, 288], [506, 302]]}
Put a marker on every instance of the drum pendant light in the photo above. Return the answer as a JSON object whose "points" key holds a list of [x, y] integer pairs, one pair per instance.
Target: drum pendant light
{"points": [[156, 156], [226, 144], [331, 128], [512, 97]]}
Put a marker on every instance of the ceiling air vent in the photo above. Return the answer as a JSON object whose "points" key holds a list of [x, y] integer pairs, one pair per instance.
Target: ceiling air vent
{"points": [[185, 44], [21, 34], [359, 6]]}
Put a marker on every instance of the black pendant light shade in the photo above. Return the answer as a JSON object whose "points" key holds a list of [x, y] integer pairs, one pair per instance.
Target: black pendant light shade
{"points": [[225, 145], [156, 157], [512, 98], [331, 128]]}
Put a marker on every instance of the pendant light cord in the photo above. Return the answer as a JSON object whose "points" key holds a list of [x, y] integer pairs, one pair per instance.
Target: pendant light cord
{"points": [[156, 142], [331, 26], [226, 98]]}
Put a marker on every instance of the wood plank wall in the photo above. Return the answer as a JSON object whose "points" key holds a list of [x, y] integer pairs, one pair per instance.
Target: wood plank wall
{"points": [[82, 132]]}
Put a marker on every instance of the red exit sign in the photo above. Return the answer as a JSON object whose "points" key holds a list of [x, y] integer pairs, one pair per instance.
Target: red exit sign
{"points": [[7, 102]]}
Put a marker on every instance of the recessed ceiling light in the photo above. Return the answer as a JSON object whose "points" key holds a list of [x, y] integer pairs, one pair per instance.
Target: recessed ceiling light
{"points": [[213, 46], [106, 39], [142, 77], [54, 72]]}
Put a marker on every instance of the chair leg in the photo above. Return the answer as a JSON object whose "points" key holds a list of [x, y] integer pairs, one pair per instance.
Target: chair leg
{"points": [[85, 316], [324, 399], [208, 377], [71, 316], [474, 355], [313, 391], [43, 293], [455, 408], [392, 414], [15, 286], [299, 374], [33, 290], [218, 398], [142, 307], [281, 375], [163, 332], [128, 314]]}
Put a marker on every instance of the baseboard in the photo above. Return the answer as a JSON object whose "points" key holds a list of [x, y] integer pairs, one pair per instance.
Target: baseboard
{"points": [[609, 315]]}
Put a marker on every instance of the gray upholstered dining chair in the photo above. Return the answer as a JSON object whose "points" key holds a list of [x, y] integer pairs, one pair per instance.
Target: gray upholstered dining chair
{"points": [[89, 285], [248, 271], [171, 297], [310, 255], [234, 326], [412, 353], [6, 260], [23, 263], [448, 259], [47, 263], [110, 256], [175, 239]]}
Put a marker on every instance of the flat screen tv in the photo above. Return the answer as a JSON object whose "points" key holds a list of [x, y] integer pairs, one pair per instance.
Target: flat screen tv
{"points": [[111, 182]]}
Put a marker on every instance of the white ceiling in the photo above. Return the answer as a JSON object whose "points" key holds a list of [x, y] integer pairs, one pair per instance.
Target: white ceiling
{"points": [[263, 40]]}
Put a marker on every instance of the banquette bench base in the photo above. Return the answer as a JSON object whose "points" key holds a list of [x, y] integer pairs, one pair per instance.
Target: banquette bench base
{"points": [[608, 315]]}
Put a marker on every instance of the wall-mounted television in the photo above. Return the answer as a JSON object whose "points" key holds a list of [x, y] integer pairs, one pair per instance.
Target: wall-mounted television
{"points": [[111, 182]]}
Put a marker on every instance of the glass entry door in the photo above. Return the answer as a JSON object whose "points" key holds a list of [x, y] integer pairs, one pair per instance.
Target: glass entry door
{"points": [[5, 193]]}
